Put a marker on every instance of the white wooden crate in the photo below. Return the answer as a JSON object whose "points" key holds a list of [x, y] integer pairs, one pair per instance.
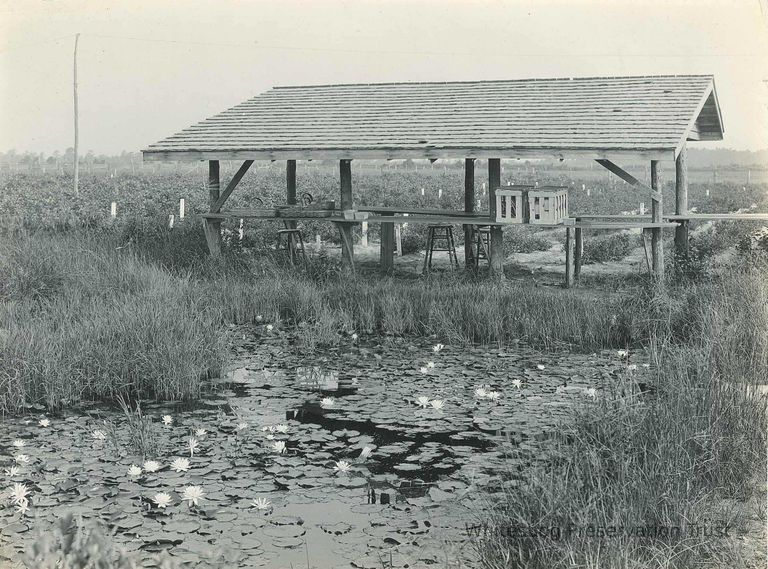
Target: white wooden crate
{"points": [[509, 206], [547, 206]]}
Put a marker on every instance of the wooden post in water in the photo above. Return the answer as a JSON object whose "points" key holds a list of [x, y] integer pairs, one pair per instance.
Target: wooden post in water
{"points": [[213, 226], [681, 203], [657, 244], [469, 207], [497, 236], [345, 229]]}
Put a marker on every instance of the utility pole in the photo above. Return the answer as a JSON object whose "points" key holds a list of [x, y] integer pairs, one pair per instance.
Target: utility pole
{"points": [[77, 166]]}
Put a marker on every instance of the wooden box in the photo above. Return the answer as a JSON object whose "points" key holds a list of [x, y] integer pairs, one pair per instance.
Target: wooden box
{"points": [[547, 206], [509, 206]]}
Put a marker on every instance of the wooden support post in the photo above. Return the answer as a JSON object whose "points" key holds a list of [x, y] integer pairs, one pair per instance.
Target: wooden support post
{"points": [[387, 252], [399, 239], [213, 226], [681, 203], [469, 207], [290, 189], [657, 245], [497, 236], [568, 257], [347, 247], [578, 252]]}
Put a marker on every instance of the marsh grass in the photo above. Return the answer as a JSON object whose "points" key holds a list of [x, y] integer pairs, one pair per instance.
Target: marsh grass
{"points": [[675, 459]]}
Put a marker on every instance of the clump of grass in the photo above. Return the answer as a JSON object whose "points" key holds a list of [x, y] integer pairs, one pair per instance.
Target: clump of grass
{"points": [[524, 240], [606, 248], [667, 464]]}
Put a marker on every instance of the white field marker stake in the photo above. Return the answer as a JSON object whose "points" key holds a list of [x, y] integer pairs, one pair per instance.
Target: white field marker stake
{"points": [[422, 191], [113, 210], [182, 208], [241, 231], [440, 193], [707, 192], [588, 192], [171, 219], [364, 237]]}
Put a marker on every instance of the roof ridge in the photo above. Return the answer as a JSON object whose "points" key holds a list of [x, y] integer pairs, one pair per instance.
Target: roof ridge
{"points": [[484, 81]]}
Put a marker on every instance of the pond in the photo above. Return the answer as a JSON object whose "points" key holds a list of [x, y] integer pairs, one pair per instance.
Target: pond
{"points": [[374, 453]]}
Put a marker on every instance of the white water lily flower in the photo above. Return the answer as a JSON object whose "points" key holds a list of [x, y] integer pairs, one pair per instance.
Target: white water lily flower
{"points": [[200, 432], [437, 347], [355, 381], [270, 437], [517, 383], [622, 353], [259, 318], [22, 507], [354, 336], [193, 494], [493, 395], [431, 365], [18, 493], [12, 471], [423, 370], [422, 401], [44, 422], [480, 392], [366, 452], [241, 426], [281, 428], [437, 404], [99, 435], [327, 402], [18, 443], [167, 420], [342, 466], [270, 327], [192, 446], [278, 446], [540, 367], [261, 504], [151, 466], [162, 500], [180, 464], [21, 459], [134, 472], [591, 392]]}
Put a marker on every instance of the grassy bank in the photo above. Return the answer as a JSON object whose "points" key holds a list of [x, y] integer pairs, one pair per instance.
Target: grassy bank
{"points": [[678, 460], [138, 310]]}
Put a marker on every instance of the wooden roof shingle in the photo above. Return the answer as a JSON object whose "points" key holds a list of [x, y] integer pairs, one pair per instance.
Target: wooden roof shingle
{"points": [[595, 117]]}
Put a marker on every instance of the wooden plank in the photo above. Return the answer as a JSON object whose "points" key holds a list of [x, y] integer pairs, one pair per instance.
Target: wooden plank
{"points": [[568, 257], [719, 217], [418, 211], [212, 227], [681, 202], [620, 226], [497, 235], [387, 247], [657, 245], [469, 208], [345, 229], [216, 207], [578, 253], [628, 178]]}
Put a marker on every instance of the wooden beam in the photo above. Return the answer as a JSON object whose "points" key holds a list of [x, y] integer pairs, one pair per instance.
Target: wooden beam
{"points": [[628, 178], [216, 207], [497, 235], [347, 247], [569, 257], [213, 226], [578, 253], [469, 207], [657, 245], [387, 153], [387, 247], [681, 202]]}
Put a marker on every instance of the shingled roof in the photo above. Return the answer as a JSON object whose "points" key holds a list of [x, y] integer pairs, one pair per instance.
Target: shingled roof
{"points": [[595, 117]]}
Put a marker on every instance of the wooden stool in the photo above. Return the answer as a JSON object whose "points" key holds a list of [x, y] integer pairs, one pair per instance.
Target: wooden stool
{"points": [[435, 234], [294, 244], [482, 244]]}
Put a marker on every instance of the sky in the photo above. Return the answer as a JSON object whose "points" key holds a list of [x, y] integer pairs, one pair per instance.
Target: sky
{"points": [[147, 69]]}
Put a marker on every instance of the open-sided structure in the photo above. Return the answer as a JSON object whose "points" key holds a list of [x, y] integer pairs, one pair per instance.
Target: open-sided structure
{"points": [[608, 119]]}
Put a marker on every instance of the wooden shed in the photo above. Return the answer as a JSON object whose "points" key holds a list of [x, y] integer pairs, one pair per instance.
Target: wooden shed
{"points": [[608, 119]]}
